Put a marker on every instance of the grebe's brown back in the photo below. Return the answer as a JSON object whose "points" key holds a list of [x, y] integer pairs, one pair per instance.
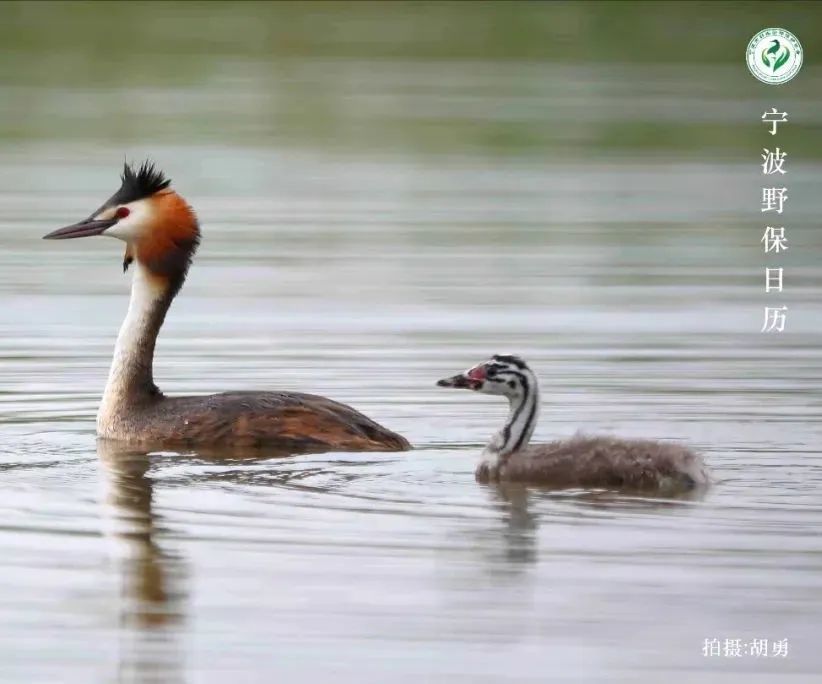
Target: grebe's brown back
{"points": [[597, 462], [161, 233]]}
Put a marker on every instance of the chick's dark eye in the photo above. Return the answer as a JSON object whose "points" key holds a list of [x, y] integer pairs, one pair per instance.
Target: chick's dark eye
{"points": [[122, 212]]}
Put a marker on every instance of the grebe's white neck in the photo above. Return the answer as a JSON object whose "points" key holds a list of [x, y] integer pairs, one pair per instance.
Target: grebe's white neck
{"points": [[519, 426], [131, 380]]}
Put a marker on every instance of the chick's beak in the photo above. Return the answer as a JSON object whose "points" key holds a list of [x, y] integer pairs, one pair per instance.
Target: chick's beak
{"points": [[459, 381], [471, 379], [85, 228]]}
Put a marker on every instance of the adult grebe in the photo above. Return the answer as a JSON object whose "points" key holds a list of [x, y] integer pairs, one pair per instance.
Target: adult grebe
{"points": [[161, 233], [600, 462]]}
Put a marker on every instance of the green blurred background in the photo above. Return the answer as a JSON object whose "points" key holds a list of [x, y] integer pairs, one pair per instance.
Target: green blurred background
{"points": [[498, 78]]}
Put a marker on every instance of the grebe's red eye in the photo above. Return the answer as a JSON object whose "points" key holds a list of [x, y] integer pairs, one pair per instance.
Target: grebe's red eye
{"points": [[122, 212]]}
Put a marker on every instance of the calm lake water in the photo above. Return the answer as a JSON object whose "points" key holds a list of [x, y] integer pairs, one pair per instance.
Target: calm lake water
{"points": [[363, 256]]}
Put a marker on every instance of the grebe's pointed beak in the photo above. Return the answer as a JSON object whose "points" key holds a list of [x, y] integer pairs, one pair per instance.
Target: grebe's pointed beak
{"points": [[85, 228]]}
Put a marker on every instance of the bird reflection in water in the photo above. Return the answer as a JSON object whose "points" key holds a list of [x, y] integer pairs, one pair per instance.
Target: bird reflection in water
{"points": [[523, 508], [519, 523], [153, 580]]}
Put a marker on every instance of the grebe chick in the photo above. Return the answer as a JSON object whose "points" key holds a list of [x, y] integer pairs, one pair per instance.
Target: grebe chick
{"points": [[598, 462], [161, 233]]}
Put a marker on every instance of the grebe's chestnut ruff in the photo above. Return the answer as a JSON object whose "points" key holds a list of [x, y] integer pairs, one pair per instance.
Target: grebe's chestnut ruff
{"points": [[161, 233], [596, 462]]}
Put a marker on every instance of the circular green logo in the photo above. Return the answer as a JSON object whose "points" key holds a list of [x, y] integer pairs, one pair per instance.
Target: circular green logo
{"points": [[774, 55]]}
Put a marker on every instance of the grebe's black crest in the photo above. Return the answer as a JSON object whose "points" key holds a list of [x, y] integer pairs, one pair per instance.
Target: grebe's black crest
{"points": [[139, 183]]}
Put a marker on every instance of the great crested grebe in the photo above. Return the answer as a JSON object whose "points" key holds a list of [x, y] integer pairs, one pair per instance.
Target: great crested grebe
{"points": [[599, 462], [161, 233]]}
